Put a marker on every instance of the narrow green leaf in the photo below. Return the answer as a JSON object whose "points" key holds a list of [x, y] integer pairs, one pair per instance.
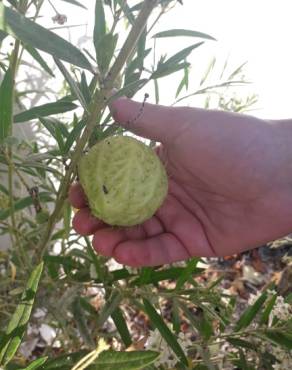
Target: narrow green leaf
{"points": [[80, 320], [160, 275], [132, 360], [250, 313], [17, 325], [73, 135], [208, 70], [37, 56], [62, 127], [105, 50], [183, 54], [36, 364], [184, 82], [130, 89], [74, 2], [44, 110], [190, 267], [133, 66], [166, 70], [111, 304], [237, 342], [67, 262], [175, 316], [145, 274], [6, 107], [141, 49], [85, 88], [31, 33], [265, 315], [184, 33], [284, 338], [116, 275], [127, 11], [168, 336], [72, 84], [236, 71], [52, 126], [63, 362], [122, 327], [99, 25]]}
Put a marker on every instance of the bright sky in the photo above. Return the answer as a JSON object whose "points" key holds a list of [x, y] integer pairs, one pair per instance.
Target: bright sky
{"points": [[256, 31]]}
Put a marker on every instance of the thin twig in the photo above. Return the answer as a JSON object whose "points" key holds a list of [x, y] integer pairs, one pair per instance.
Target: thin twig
{"points": [[52, 5]]}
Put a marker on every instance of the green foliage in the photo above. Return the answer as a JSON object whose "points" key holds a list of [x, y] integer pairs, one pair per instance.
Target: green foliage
{"points": [[82, 296], [6, 98], [18, 322], [164, 331], [250, 313], [184, 33], [109, 360], [32, 34], [44, 110]]}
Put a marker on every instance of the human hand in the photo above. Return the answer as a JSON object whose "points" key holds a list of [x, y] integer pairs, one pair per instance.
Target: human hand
{"points": [[229, 188]]}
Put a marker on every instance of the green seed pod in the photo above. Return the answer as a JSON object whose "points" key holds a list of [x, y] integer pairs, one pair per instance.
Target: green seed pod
{"points": [[124, 181]]}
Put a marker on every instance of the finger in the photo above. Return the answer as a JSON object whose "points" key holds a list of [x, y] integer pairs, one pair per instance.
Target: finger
{"points": [[86, 224], [152, 121], [152, 227], [162, 249], [77, 196], [106, 239]]}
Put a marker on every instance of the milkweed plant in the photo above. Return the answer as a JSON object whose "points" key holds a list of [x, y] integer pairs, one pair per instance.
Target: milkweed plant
{"points": [[62, 306]]}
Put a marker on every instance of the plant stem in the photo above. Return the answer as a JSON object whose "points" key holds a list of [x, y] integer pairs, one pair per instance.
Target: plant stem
{"points": [[8, 156], [99, 102], [17, 172]]}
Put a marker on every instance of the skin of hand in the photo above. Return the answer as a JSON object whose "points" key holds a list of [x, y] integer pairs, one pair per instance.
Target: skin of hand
{"points": [[230, 186]]}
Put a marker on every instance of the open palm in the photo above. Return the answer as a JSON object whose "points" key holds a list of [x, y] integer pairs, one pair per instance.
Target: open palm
{"points": [[227, 188]]}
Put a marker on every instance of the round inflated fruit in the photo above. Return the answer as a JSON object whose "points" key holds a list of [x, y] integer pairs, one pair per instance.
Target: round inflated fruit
{"points": [[124, 181]]}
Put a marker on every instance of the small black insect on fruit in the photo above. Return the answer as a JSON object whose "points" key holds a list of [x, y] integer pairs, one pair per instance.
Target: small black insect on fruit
{"points": [[105, 190]]}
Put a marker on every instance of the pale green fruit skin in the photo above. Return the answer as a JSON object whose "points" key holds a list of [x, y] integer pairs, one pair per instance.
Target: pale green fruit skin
{"points": [[124, 181]]}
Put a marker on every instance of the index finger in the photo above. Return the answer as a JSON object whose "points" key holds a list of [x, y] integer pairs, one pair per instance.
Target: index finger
{"points": [[157, 122]]}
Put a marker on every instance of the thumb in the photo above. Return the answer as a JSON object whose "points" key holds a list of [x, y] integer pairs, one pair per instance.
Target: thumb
{"points": [[155, 122]]}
